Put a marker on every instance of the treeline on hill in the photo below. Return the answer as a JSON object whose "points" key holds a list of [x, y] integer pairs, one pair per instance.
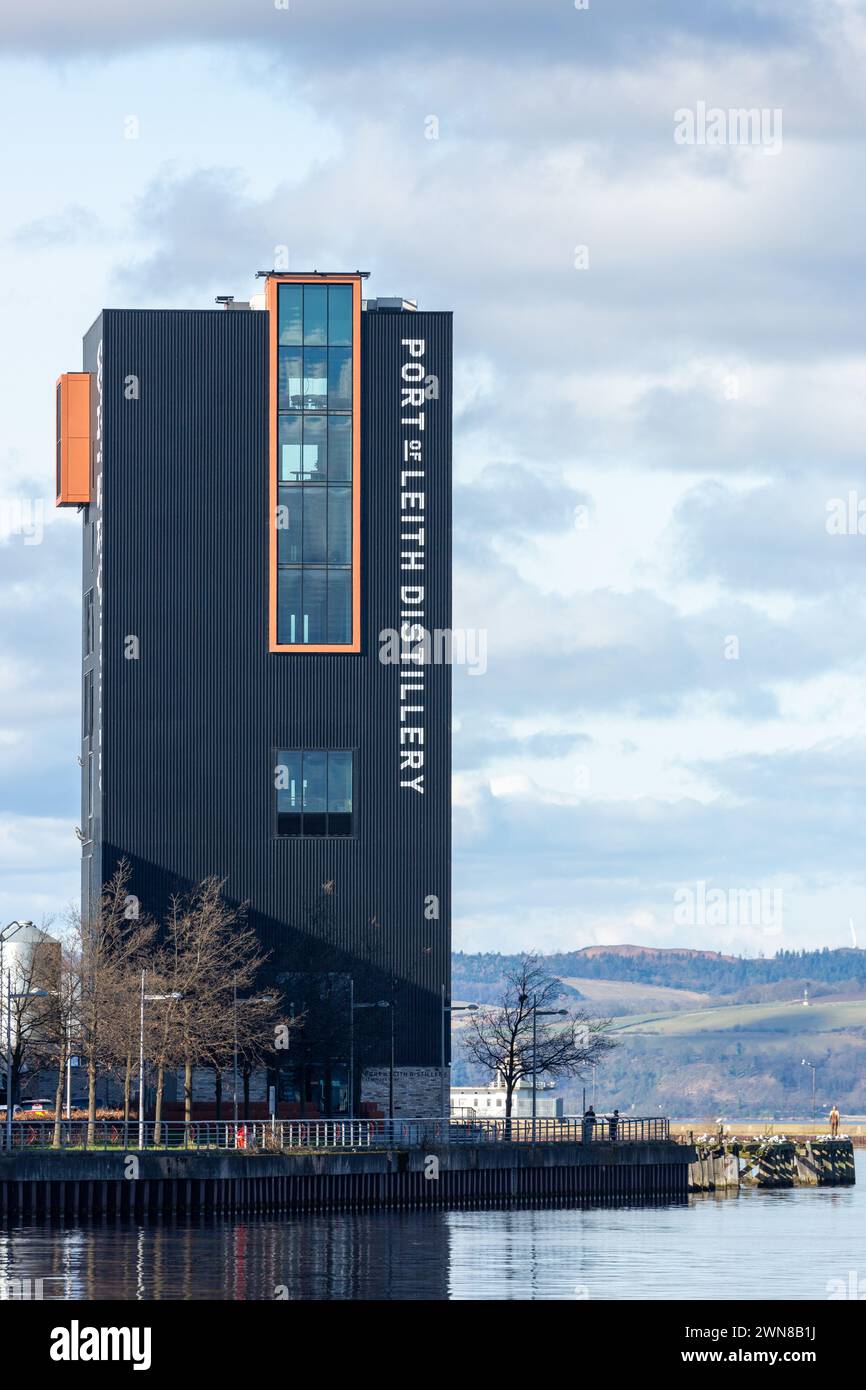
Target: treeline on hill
{"points": [[675, 969]]}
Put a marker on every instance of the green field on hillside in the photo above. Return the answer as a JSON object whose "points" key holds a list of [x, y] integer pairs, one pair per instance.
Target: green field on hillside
{"points": [[750, 1018], [620, 997]]}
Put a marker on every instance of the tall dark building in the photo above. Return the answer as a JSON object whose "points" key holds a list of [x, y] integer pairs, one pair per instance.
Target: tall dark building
{"points": [[266, 501]]}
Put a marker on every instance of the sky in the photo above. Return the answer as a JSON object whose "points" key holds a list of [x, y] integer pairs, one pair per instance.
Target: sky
{"points": [[660, 399]]}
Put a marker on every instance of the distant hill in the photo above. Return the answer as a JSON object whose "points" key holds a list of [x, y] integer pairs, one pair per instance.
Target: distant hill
{"points": [[706, 972], [704, 1034], [661, 951]]}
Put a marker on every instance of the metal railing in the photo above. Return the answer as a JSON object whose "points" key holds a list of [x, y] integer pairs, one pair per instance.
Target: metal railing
{"points": [[280, 1135]]}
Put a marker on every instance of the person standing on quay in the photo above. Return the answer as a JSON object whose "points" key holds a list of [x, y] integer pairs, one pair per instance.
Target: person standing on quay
{"points": [[613, 1126], [588, 1125], [834, 1122]]}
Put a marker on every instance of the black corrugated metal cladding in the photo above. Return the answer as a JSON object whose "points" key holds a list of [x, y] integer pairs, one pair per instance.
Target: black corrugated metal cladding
{"points": [[190, 727]]}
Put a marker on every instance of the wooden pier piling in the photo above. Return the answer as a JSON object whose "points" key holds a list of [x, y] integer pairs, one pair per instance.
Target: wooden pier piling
{"points": [[768, 1163]]}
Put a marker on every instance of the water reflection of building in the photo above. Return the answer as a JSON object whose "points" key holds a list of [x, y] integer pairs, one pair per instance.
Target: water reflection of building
{"points": [[348, 1255]]}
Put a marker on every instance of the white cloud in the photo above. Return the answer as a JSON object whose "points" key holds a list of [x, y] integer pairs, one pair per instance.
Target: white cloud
{"points": [[698, 387]]}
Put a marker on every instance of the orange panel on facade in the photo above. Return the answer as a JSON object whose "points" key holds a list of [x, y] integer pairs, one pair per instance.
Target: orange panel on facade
{"points": [[73, 439]]}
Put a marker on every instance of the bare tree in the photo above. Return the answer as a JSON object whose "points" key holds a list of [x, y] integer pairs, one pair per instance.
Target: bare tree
{"points": [[499, 1038], [208, 966], [110, 946], [260, 1025]]}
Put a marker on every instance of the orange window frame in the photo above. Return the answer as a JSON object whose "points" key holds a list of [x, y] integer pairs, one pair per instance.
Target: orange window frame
{"points": [[271, 292]]}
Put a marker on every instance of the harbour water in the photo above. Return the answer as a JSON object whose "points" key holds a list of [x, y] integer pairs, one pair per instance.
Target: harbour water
{"points": [[804, 1243]]}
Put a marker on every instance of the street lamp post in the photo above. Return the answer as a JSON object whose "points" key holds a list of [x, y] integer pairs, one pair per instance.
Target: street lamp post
{"points": [[68, 1070], [446, 1010], [141, 1067], [536, 1013], [534, 1061], [150, 999], [235, 1055], [391, 1067], [814, 1069]]}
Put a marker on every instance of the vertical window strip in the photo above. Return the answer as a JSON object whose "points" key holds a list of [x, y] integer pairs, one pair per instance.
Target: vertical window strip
{"points": [[309, 315]]}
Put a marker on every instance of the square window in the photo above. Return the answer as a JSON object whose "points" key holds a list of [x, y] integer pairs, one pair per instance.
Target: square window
{"points": [[313, 792]]}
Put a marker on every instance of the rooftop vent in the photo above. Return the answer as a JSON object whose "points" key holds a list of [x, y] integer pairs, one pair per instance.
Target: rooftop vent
{"points": [[393, 305]]}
